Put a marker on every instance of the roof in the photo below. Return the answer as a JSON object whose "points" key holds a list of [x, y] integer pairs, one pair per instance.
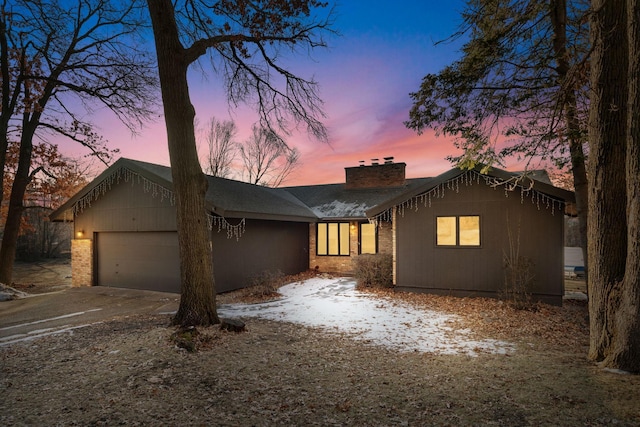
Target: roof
{"points": [[334, 201], [225, 197], [517, 180], [234, 199]]}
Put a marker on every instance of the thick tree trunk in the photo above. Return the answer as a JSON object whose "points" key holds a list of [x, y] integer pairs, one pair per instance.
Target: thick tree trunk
{"points": [[197, 302], [625, 346], [607, 228], [16, 205]]}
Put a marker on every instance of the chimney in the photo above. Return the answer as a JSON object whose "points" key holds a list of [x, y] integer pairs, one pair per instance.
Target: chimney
{"points": [[376, 175]]}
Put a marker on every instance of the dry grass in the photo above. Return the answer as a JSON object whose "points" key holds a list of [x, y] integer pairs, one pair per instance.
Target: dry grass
{"points": [[128, 372]]}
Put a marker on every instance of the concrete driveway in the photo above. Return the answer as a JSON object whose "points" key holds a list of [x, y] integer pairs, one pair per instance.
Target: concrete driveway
{"points": [[73, 308]]}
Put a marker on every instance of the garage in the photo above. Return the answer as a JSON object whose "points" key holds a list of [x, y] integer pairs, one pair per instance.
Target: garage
{"points": [[138, 260]]}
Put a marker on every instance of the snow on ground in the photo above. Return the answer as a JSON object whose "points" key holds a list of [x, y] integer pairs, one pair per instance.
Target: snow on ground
{"points": [[335, 305]]}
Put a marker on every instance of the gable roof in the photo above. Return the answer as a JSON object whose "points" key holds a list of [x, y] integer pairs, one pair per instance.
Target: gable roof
{"points": [[514, 180], [224, 197], [309, 203]]}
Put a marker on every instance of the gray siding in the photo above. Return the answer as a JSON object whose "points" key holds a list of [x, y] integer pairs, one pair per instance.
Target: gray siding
{"points": [[478, 271], [128, 212], [127, 207], [265, 246]]}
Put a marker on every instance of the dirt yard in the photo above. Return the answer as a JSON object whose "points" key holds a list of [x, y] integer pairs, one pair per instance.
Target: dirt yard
{"points": [[128, 371]]}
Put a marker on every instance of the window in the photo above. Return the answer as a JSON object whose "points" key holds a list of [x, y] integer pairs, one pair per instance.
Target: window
{"points": [[458, 231], [332, 238], [368, 238]]}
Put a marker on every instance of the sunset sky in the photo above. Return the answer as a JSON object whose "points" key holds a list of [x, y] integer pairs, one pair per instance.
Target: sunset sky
{"points": [[365, 77]]}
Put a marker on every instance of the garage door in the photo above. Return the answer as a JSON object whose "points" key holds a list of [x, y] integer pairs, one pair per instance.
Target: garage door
{"points": [[139, 260]]}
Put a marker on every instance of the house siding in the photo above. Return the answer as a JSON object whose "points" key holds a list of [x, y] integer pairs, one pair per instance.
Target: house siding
{"points": [[265, 246], [127, 207], [478, 271]]}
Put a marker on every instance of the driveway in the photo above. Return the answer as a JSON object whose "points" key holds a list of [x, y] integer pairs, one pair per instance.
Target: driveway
{"points": [[73, 308]]}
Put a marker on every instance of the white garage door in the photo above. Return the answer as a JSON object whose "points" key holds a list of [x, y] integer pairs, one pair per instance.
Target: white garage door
{"points": [[139, 260]]}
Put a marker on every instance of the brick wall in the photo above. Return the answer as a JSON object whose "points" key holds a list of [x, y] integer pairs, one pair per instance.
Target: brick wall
{"points": [[333, 264], [375, 176], [344, 264], [81, 262], [385, 238]]}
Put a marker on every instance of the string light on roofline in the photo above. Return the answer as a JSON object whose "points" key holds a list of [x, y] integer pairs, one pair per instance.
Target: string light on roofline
{"points": [[467, 178], [124, 174]]}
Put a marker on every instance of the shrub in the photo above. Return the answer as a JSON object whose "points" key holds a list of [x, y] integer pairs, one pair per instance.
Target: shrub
{"points": [[374, 270], [519, 276], [265, 284]]}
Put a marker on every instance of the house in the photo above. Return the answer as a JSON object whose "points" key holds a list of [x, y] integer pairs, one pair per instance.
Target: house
{"points": [[447, 234], [453, 233], [125, 232]]}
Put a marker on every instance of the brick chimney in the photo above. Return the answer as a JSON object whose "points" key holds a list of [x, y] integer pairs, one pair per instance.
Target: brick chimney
{"points": [[376, 175]]}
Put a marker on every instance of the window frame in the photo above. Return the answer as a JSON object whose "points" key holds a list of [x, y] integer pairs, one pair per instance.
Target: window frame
{"points": [[457, 232], [340, 227], [375, 237]]}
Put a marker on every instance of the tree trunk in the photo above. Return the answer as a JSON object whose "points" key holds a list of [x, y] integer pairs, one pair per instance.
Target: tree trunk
{"points": [[197, 302], [5, 113], [625, 347], [570, 106], [16, 205], [607, 228]]}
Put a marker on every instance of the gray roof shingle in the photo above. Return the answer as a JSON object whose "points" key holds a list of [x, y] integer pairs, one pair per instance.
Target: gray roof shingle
{"points": [[308, 203]]}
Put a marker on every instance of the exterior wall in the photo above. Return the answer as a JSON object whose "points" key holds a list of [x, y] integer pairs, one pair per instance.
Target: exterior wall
{"points": [[394, 246], [385, 238], [265, 246], [344, 264], [478, 271], [124, 207], [375, 176], [333, 264], [81, 262], [127, 207]]}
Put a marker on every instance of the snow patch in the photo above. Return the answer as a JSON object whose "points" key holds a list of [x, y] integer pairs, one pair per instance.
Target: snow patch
{"points": [[336, 306]]}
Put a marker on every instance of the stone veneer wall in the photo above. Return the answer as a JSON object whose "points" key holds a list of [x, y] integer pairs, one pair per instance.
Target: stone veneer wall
{"points": [[81, 262]]}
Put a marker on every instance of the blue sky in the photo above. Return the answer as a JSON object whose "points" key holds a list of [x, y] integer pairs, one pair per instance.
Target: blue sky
{"points": [[365, 77]]}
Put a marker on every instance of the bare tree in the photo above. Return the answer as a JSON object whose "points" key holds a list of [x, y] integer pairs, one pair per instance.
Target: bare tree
{"points": [[245, 40], [57, 61], [267, 159], [222, 147]]}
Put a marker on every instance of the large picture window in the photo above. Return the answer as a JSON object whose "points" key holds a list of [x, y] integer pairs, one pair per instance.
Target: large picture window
{"points": [[458, 230], [368, 238], [332, 238]]}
